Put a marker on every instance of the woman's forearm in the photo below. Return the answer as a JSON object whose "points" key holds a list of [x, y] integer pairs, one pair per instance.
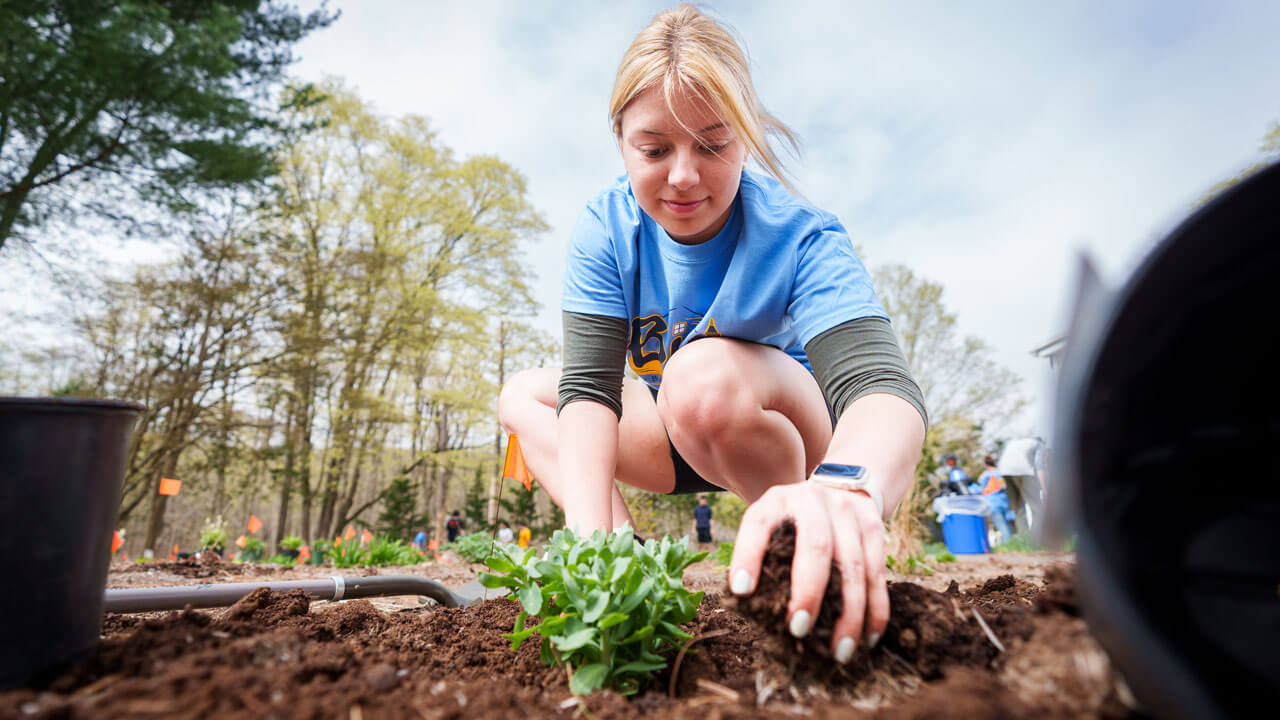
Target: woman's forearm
{"points": [[588, 452], [884, 434]]}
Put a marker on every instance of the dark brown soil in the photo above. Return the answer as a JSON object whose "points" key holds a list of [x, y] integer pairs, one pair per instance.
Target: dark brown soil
{"points": [[276, 655]]}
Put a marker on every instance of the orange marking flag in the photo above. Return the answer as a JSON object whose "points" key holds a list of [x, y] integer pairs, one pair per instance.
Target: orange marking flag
{"points": [[304, 553], [174, 555], [240, 541], [514, 467], [254, 524], [116, 542], [169, 486], [432, 544], [350, 533], [366, 537]]}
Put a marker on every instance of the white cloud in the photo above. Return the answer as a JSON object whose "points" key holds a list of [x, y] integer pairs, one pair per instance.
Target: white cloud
{"points": [[983, 144]]}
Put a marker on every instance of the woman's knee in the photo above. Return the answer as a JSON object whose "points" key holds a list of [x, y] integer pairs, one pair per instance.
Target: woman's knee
{"points": [[703, 391], [524, 394]]}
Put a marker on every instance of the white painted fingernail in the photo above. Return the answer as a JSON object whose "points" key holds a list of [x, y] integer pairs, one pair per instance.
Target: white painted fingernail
{"points": [[844, 650], [872, 639], [800, 624], [741, 584]]}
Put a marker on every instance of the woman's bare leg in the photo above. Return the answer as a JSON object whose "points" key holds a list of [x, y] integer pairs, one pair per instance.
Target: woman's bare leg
{"points": [[744, 416], [527, 407]]}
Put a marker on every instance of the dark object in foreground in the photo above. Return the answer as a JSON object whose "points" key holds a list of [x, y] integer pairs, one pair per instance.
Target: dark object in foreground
{"points": [[1168, 392], [62, 464]]}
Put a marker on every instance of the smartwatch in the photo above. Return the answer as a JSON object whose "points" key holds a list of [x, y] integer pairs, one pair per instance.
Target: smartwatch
{"points": [[853, 478]]}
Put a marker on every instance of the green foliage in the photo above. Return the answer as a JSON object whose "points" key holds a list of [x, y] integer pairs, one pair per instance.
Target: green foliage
{"points": [[390, 551], [282, 560], [1019, 543], [214, 534], [609, 607], [399, 517], [254, 549], [163, 96], [476, 503], [911, 565], [381, 551], [473, 547], [722, 555], [938, 552], [519, 505], [292, 542]]}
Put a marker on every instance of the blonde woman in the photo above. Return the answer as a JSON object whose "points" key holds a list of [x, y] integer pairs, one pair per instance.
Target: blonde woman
{"points": [[767, 365]]}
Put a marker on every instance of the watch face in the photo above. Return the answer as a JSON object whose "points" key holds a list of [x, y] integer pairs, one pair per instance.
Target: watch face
{"points": [[852, 472]]}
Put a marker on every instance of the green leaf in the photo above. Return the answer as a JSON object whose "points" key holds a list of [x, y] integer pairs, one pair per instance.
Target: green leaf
{"points": [[497, 581], [596, 607], [639, 666], [571, 587], [531, 598], [642, 634], [612, 619], [499, 562], [588, 678], [517, 638], [582, 638], [633, 600], [620, 568]]}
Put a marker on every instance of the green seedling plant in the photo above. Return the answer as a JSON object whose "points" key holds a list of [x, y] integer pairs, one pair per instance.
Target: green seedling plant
{"points": [[609, 608], [473, 547]]}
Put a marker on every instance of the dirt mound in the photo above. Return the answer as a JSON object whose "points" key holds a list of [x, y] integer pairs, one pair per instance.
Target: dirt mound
{"points": [[277, 655]]}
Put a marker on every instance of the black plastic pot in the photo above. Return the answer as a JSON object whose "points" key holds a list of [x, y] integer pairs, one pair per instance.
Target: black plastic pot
{"points": [[1168, 417], [62, 463]]}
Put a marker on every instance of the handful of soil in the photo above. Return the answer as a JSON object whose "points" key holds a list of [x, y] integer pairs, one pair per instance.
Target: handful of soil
{"points": [[767, 606]]}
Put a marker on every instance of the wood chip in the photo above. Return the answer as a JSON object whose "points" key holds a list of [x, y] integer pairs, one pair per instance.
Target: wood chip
{"points": [[985, 628], [717, 689]]}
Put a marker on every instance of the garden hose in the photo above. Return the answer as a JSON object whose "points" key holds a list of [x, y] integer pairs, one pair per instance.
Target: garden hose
{"points": [[176, 597]]}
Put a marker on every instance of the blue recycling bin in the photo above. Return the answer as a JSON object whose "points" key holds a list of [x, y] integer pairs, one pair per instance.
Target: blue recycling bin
{"points": [[964, 523]]}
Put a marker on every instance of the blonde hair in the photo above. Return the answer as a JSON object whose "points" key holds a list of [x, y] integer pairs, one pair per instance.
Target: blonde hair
{"points": [[684, 50]]}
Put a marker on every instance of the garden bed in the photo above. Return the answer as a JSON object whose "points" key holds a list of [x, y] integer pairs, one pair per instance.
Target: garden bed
{"points": [[988, 636]]}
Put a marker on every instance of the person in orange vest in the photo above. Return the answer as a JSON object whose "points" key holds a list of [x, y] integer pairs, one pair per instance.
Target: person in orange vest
{"points": [[991, 485], [525, 536]]}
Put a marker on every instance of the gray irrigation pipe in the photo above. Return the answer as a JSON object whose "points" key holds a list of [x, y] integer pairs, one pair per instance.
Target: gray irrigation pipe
{"points": [[176, 597]]}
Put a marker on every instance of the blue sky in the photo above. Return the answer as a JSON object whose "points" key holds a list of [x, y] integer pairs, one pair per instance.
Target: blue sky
{"points": [[983, 144]]}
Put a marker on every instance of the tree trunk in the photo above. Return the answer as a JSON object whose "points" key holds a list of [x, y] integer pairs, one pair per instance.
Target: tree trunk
{"points": [[286, 484], [444, 469], [155, 519]]}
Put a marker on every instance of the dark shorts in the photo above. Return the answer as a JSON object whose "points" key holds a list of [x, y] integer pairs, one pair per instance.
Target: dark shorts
{"points": [[704, 534], [688, 481]]}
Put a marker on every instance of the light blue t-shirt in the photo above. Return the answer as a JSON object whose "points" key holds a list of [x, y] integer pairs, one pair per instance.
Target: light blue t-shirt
{"points": [[780, 272]]}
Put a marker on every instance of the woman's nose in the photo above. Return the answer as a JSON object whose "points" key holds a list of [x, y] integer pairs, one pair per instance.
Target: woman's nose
{"points": [[684, 171]]}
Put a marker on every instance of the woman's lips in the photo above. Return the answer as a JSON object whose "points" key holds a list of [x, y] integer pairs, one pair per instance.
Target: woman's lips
{"points": [[683, 208]]}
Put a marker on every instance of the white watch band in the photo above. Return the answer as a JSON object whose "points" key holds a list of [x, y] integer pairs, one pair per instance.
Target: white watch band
{"points": [[861, 484]]}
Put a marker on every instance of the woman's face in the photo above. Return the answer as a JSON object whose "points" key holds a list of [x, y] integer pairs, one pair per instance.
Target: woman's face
{"points": [[685, 181]]}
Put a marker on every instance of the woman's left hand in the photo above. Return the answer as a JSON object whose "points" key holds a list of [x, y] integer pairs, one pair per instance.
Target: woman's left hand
{"points": [[831, 525]]}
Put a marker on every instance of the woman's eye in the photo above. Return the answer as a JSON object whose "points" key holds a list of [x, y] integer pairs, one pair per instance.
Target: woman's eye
{"points": [[713, 149], [652, 153]]}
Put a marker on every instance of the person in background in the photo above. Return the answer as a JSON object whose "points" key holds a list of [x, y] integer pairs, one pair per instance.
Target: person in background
{"points": [[991, 485], [953, 476], [702, 520], [504, 532], [454, 525], [525, 536], [420, 541]]}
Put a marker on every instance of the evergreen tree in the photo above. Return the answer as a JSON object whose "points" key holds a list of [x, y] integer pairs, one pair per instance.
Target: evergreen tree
{"points": [[475, 504], [399, 518], [519, 506]]}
